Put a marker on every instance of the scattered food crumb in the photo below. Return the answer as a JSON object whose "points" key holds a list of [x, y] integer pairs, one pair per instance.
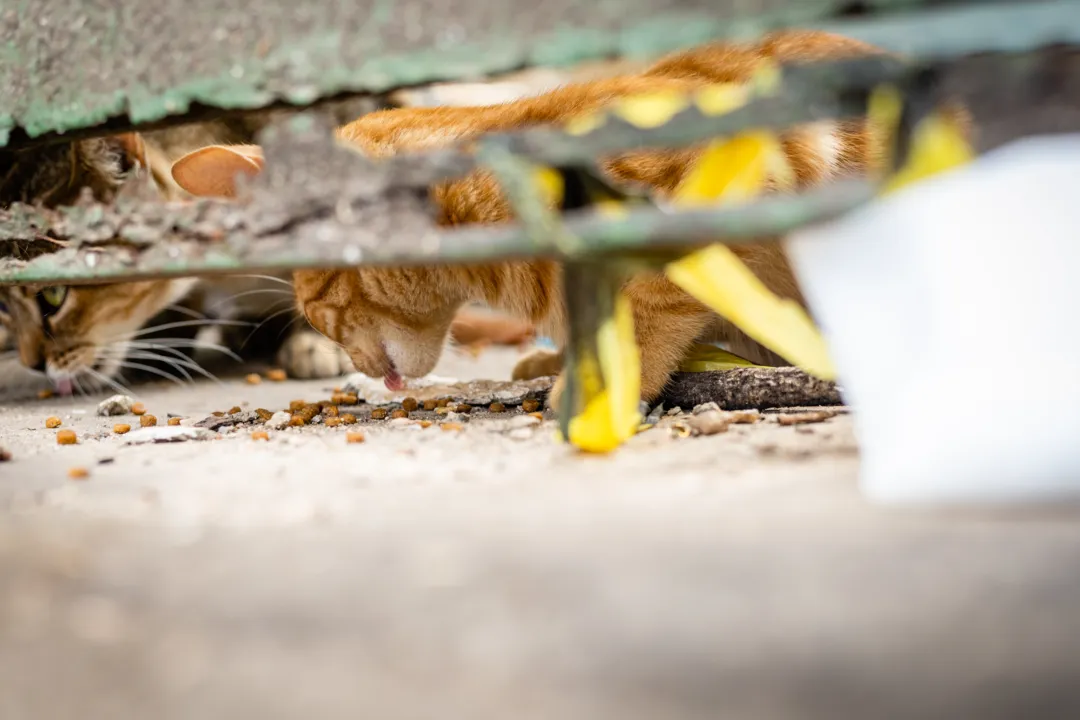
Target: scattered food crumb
{"points": [[147, 421], [260, 435], [709, 422], [442, 402], [497, 407], [332, 422], [66, 437], [806, 417], [330, 410], [296, 421], [426, 424], [278, 420], [676, 411], [253, 379], [530, 405], [344, 399], [44, 394], [743, 417], [430, 405], [53, 422], [348, 419], [121, 428], [295, 405], [276, 375], [399, 414], [705, 407], [217, 413], [452, 426], [174, 421], [263, 414], [138, 409], [116, 405], [537, 415], [354, 437], [378, 414], [409, 404], [235, 409], [78, 473], [442, 410], [463, 408]]}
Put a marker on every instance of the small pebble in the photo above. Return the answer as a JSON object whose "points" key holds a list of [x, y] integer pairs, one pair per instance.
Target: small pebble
{"points": [[354, 437], [278, 420], [66, 437], [409, 404], [705, 407], [523, 421], [121, 428], [744, 417], [530, 405], [253, 379], [260, 435], [401, 422], [674, 411], [147, 421], [497, 407], [116, 405], [520, 434], [276, 375], [399, 414], [378, 414], [138, 409], [708, 423], [174, 421], [78, 473], [457, 417], [53, 422]]}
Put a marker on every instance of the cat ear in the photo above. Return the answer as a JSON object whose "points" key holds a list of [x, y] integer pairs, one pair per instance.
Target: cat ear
{"points": [[211, 171]]}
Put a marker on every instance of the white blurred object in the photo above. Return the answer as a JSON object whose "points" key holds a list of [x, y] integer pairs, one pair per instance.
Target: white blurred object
{"points": [[951, 310]]}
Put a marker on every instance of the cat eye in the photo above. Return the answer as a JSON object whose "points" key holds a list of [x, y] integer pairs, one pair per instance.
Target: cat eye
{"points": [[51, 298]]}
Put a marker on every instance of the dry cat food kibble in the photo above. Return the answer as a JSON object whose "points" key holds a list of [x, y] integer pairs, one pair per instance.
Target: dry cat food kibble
{"points": [[44, 394], [235, 409], [253, 379], [497, 407], [463, 408], [409, 404], [53, 422], [537, 415], [354, 437], [148, 421], [456, 427], [260, 435], [276, 375], [263, 414], [78, 473], [138, 409], [217, 413], [429, 405], [378, 414], [174, 421], [344, 399], [121, 428], [530, 405], [308, 412], [330, 410], [332, 422], [297, 421], [348, 419], [66, 437], [295, 405], [442, 402], [400, 413], [426, 424]]}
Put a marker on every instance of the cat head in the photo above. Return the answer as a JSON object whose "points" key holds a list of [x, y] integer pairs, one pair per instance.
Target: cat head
{"points": [[77, 335], [393, 322]]}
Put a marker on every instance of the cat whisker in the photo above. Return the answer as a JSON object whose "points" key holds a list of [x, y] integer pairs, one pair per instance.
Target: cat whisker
{"points": [[290, 324], [255, 329], [261, 291], [103, 378], [147, 368], [179, 364], [170, 345], [266, 277], [158, 358], [187, 311], [186, 323]]}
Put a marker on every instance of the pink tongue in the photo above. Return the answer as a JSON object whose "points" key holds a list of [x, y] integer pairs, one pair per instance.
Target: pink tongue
{"points": [[393, 381], [63, 387]]}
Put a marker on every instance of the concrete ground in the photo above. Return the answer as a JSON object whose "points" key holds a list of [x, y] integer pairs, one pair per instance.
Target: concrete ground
{"points": [[493, 573]]}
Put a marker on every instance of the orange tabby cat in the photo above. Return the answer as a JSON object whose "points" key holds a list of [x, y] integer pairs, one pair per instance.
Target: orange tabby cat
{"points": [[394, 321]]}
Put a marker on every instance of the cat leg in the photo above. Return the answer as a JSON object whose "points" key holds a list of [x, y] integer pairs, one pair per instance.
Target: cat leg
{"points": [[307, 354]]}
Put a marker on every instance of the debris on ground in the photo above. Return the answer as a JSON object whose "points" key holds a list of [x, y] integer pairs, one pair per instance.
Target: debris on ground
{"points": [[476, 392], [66, 437], [147, 421], [750, 388], [708, 423], [806, 417], [121, 428], [138, 409], [165, 434], [53, 422], [354, 437], [278, 420], [260, 435], [116, 405], [276, 375], [78, 473]]}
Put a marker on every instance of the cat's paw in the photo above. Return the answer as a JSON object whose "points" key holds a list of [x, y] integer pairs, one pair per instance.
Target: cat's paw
{"points": [[308, 355], [537, 364]]}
